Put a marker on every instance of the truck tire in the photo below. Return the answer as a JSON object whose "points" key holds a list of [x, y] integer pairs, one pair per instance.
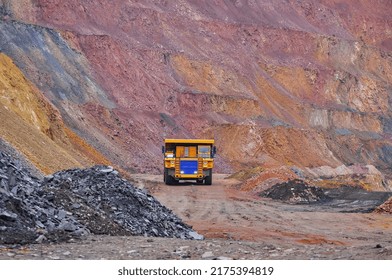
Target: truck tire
{"points": [[208, 180], [167, 178]]}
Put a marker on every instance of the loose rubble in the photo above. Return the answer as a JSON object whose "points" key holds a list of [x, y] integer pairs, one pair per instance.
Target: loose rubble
{"points": [[295, 191], [74, 203], [108, 204], [25, 216]]}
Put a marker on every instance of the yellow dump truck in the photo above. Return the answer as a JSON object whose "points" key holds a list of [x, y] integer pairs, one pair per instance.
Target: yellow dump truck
{"points": [[188, 159]]}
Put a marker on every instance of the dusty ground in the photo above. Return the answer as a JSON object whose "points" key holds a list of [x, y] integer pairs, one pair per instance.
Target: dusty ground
{"points": [[236, 226]]}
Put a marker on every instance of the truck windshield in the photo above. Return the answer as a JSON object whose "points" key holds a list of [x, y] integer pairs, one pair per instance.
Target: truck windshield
{"points": [[204, 151]]}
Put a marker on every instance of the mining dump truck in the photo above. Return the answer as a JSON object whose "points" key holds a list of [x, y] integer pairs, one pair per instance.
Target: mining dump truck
{"points": [[188, 159]]}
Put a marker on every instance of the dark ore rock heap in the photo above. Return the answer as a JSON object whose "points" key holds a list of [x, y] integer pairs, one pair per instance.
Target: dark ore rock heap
{"points": [[296, 192], [109, 204], [74, 203], [25, 215]]}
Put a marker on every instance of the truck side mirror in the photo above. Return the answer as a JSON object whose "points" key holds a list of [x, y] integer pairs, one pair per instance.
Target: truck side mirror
{"points": [[163, 149], [213, 151]]}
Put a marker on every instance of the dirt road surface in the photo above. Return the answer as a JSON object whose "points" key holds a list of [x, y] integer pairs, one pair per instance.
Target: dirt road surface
{"points": [[236, 225], [222, 211]]}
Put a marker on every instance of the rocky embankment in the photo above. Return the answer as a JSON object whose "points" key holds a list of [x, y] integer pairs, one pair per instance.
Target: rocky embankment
{"points": [[271, 76], [75, 203]]}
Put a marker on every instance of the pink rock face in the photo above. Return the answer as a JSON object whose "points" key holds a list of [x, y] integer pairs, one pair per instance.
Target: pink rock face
{"points": [[304, 83]]}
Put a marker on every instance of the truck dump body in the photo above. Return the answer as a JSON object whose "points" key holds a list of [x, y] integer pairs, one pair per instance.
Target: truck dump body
{"points": [[188, 159]]}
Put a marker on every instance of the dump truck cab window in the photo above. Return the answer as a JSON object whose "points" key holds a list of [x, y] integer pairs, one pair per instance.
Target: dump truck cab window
{"points": [[204, 151]]}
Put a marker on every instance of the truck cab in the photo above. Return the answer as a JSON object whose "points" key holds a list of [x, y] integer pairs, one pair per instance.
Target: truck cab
{"points": [[188, 159]]}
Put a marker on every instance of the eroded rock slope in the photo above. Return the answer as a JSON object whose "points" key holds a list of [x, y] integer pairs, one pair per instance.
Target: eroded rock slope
{"points": [[282, 83]]}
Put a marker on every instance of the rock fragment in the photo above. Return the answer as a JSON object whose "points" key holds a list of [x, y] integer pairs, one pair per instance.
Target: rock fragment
{"points": [[208, 255]]}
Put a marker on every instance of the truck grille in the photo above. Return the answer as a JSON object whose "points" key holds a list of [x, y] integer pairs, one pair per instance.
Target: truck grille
{"points": [[188, 166]]}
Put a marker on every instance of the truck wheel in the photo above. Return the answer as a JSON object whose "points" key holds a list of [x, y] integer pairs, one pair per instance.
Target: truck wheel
{"points": [[167, 178], [208, 180]]}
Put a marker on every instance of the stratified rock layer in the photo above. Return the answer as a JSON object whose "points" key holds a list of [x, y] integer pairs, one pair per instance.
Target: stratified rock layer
{"points": [[297, 83]]}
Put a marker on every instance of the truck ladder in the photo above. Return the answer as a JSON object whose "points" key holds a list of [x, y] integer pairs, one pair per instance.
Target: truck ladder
{"points": [[177, 166], [200, 166]]}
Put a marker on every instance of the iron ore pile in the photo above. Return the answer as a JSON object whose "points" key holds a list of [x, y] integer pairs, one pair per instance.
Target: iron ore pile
{"points": [[74, 203], [296, 192]]}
